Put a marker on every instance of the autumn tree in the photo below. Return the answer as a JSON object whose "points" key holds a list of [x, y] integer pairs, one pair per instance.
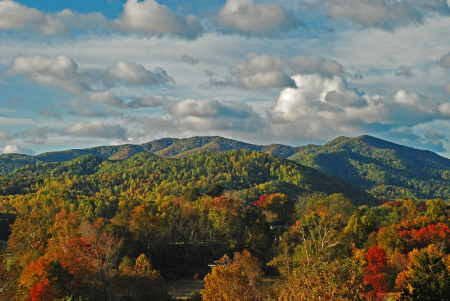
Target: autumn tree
{"points": [[427, 276], [236, 279], [137, 280], [374, 273], [336, 280]]}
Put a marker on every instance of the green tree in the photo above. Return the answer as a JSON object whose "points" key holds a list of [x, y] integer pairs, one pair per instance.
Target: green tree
{"points": [[427, 277]]}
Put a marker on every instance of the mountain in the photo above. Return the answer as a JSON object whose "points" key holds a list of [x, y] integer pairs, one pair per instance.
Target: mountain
{"points": [[250, 173], [166, 147], [383, 168]]}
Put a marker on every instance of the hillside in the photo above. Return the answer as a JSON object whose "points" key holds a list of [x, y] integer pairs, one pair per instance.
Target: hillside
{"points": [[383, 168], [250, 173], [166, 147]]}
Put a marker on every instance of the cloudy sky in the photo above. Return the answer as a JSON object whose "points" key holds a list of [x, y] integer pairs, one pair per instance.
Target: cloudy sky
{"points": [[76, 74]]}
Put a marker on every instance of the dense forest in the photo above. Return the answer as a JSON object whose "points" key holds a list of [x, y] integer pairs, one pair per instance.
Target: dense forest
{"points": [[385, 169], [252, 222]]}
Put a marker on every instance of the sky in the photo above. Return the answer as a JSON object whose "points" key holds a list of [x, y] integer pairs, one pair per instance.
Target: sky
{"points": [[77, 74]]}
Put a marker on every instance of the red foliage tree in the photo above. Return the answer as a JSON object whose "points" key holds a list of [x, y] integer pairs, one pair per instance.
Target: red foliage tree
{"points": [[374, 273], [437, 234], [41, 291]]}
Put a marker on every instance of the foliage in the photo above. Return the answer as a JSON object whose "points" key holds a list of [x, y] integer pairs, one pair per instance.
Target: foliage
{"points": [[386, 169], [95, 228], [236, 279], [336, 280], [427, 277]]}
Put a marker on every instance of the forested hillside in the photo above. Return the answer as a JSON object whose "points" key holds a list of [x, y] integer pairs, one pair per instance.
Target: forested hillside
{"points": [[98, 229], [386, 170]]}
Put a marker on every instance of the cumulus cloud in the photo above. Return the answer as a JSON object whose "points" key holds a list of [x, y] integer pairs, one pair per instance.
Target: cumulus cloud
{"points": [[214, 114], [315, 65], [385, 14], [262, 71], [64, 73], [96, 129], [134, 74], [412, 108], [322, 108], [146, 101], [246, 17], [15, 149], [189, 59], [60, 71], [15, 16], [107, 98], [150, 17], [146, 17]]}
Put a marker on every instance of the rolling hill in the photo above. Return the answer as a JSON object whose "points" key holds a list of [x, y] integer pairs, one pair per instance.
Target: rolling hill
{"points": [[385, 169]]}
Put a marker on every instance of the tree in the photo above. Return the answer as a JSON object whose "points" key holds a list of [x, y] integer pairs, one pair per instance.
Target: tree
{"points": [[427, 277], [192, 194], [138, 281], [374, 273], [336, 280], [237, 279], [435, 209], [215, 190]]}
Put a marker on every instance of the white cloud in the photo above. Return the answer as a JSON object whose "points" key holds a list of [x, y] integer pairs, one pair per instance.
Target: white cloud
{"points": [[16, 16], [107, 98], [146, 101], [60, 71], [214, 114], [147, 17], [412, 108], [246, 17], [63, 72], [134, 74], [385, 14], [150, 17], [97, 129], [15, 149], [262, 71], [322, 108], [315, 65]]}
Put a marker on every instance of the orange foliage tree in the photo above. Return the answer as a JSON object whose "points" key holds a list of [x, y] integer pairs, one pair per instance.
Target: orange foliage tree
{"points": [[237, 279]]}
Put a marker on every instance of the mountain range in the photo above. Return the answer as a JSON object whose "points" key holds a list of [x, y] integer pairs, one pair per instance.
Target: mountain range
{"points": [[386, 170]]}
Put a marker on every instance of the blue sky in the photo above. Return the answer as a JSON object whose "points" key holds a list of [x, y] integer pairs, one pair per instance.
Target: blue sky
{"points": [[76, 74]]}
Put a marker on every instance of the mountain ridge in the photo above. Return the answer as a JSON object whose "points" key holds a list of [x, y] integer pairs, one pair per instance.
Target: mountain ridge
{"points": [[385, 169]]}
